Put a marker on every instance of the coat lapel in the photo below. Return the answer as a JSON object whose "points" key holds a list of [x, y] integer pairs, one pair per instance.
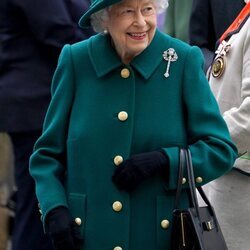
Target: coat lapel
{"points": [[102, 55], [105, 59], [147, 62]]}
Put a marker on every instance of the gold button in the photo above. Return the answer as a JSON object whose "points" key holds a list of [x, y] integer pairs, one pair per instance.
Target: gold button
{"points": [[184, 180], [118, 160], [78, 221], [125, 73], [117, 206], [165, 224], [199, 180], [117, 248], [123, 116]]}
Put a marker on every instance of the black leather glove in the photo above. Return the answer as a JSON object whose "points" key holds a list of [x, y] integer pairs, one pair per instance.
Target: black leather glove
{"points": [[64, 232], [139, 167]]}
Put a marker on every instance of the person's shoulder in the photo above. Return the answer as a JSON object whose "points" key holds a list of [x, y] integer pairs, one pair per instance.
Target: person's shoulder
{"points": [[187, 54], [81, 45], [80, 52], [84, 45], [181, 46], [173, 41]]}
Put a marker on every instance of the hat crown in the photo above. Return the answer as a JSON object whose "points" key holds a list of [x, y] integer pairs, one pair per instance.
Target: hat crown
{"points": [[95, 6]]}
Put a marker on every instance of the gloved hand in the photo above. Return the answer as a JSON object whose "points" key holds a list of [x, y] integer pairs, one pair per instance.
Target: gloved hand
{"points": [[64, 232], [139, 167]]}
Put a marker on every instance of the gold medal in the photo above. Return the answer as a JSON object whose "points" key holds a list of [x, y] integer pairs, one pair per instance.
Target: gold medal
{"points": [[218, 67], [219, 63]]}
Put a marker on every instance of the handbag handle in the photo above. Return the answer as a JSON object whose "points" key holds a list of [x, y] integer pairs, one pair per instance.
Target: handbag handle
{"points": [[186, 161], [191, 183], [201, 191], [180, 177]]}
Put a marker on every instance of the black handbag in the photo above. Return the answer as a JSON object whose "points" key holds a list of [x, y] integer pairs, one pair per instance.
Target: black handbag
{"points": [[195, 227]]}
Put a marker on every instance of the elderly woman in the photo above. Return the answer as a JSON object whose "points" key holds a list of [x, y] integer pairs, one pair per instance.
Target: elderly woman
{"points": [[123, 103]]}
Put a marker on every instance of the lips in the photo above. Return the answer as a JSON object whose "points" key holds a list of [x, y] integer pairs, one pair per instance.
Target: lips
{"points": [[137, 35]]}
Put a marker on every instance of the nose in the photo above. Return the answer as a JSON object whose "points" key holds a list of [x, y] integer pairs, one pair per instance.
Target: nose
{"points": [[139, 19]]}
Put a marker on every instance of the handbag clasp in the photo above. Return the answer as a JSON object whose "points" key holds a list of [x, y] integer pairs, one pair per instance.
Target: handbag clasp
{"points": [[208, 225]]}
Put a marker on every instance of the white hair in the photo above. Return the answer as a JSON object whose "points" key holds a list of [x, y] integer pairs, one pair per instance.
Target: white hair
{"points": [[161, 5], [101, 16]]}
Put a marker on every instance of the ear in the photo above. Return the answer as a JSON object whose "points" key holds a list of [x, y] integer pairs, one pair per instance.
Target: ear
{"points": [[105, 20], [104, 25]]}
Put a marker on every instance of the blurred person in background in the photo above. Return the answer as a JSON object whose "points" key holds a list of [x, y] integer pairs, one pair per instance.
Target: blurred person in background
{"points": [[209, 19], [123, 103], [6, 186], [229, 78], [177, 19], [32, 34]]}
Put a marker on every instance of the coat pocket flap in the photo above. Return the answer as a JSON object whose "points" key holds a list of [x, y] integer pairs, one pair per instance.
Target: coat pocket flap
{"points": [[77, 207]]}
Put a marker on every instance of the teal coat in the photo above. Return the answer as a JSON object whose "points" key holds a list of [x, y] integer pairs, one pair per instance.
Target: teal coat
{"points": [[72, 163]]}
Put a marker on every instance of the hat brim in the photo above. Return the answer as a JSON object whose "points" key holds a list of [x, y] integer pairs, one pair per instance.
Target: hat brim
{"points": [[97, 5]]}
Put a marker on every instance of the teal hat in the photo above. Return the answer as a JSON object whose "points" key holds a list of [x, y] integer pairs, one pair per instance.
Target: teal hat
{"points": [[95, 6]]}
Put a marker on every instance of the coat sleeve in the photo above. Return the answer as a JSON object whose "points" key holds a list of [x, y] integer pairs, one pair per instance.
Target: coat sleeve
{"points": [[212, 150], [47, 163], [238, 118]]}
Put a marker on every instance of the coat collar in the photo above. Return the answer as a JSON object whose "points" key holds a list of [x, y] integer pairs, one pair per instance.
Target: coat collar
{"points": [[105, 59]]}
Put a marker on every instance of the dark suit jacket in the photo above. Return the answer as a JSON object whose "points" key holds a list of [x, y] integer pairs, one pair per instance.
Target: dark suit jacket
{"points": [[209, 19], [32, 34]]}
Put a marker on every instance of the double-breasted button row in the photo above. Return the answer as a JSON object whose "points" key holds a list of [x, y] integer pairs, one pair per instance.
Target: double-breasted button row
{"points": [[117, 207], [118, 159], [122, 116]]}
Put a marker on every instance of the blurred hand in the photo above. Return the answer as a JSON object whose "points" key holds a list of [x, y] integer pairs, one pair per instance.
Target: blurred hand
{"points": [[139, 167], [64, 232]]}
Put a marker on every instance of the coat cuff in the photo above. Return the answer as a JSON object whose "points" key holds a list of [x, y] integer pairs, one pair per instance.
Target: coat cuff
{"points": [[173, 156]]}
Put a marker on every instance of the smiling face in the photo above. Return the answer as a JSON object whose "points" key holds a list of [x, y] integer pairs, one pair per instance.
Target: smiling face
{"points": [[132, 25]]}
